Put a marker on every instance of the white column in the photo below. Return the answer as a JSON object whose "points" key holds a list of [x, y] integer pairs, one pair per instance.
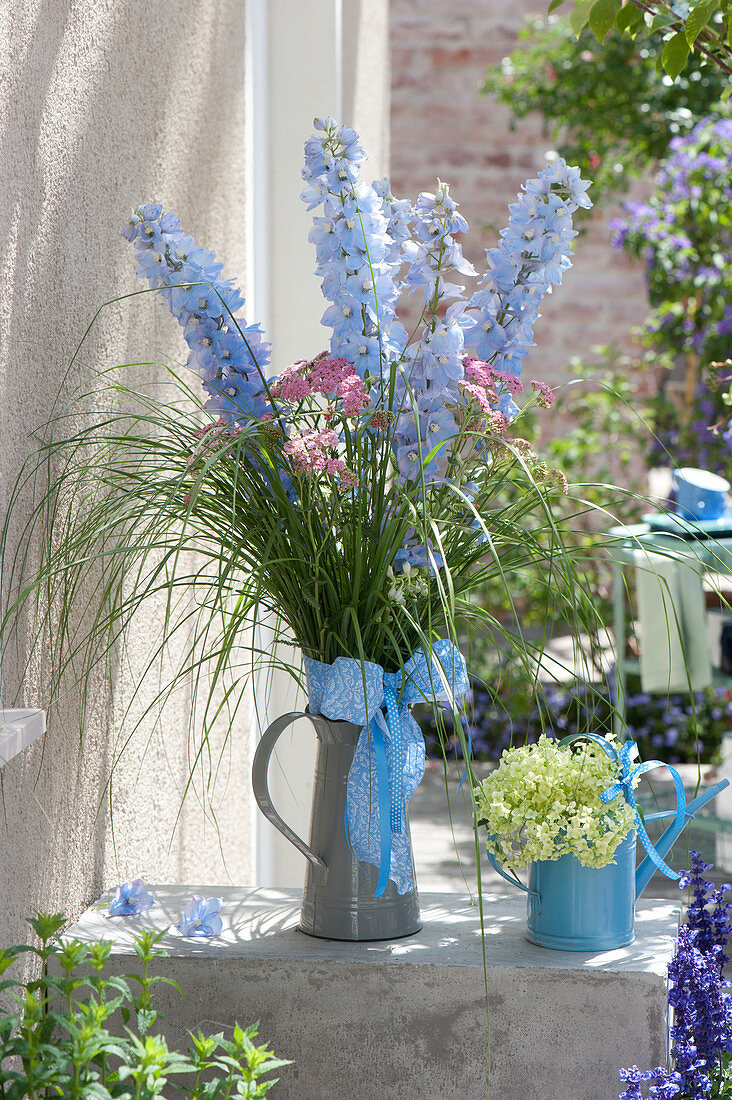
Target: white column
{"points": [[304, 58]]}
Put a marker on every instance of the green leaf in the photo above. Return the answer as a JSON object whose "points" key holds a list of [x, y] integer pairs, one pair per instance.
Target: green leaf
{"points": [[629, 19], [95, 1091], [726, 93], [661, 20], [675, 54], [602, 17], [554, 5], [581, 14], [697, 19]]}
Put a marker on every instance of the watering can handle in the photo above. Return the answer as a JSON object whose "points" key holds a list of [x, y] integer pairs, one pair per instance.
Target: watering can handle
{"points": [[260, 786], [509, 878]]}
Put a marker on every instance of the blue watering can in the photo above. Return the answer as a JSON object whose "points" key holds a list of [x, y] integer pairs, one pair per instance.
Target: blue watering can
{"points": [[576, 908]]}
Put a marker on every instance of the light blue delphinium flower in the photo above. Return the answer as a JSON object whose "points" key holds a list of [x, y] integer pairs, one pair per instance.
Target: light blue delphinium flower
{"points": [[130, 899], [532, 256], [228, 355], [434, 253], [357, 253], [201, 917]]}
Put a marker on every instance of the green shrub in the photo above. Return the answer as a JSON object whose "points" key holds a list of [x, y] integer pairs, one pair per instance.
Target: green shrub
{"points": [[605, 105], [84, 1035]]}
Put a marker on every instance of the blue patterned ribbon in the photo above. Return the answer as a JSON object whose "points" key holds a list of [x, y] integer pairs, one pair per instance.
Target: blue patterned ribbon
{"points": [[388, 763], [624, 785]]}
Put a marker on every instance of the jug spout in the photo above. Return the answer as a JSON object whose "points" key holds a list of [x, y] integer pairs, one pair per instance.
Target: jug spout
{"points": [[645, 872]]}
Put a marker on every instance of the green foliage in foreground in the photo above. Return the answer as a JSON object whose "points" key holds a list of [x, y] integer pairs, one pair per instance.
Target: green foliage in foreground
{"points": [[84, 1035], [604, 104]]}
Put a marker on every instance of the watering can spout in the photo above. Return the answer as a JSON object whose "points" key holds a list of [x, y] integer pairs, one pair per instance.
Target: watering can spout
{"points": [[645, 871]]}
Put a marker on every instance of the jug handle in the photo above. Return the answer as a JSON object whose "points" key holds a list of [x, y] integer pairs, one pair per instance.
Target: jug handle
{"points": [[260, 786], [509, 878]]}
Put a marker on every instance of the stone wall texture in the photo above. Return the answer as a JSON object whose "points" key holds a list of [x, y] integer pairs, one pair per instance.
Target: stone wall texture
{"points": [[105, 104], [442, 127]]}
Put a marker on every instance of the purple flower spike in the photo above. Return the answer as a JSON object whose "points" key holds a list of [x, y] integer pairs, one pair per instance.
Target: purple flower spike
{"points": [[201, 917], [130, 899]]}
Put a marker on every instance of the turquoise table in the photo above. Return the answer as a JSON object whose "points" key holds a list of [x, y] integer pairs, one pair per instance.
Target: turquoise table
{"points": [[714, 556]]}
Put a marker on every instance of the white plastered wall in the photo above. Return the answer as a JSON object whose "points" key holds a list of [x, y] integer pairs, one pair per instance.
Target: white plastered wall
{"points": [[104, 104]]}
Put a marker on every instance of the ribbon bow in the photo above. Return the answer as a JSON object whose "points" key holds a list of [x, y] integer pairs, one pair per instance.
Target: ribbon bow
{"points": [[624, 785], [388, 763]]}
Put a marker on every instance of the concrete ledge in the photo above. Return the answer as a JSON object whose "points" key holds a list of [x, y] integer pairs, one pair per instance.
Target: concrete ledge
{"points": [[18, 729], [407, 1018]]}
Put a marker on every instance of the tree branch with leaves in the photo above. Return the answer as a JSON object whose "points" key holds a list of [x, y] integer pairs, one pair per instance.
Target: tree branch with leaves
{"points": [[704, 27]]}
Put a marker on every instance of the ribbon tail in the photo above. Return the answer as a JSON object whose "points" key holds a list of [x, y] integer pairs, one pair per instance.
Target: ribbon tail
{"points": [[673, 832], [396, 738], [382, 775]]}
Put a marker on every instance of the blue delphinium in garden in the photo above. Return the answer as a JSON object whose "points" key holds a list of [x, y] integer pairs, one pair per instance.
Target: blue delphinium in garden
{"points": [[357, 249], [682, 236], [701, 1031], [674, 728], [532, 256]]}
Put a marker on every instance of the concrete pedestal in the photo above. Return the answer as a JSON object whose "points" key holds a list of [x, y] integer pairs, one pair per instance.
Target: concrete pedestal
{"points": [[407, 1018]]}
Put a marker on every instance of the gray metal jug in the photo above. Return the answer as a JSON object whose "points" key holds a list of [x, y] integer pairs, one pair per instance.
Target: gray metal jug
{"points": [[338, 900]]}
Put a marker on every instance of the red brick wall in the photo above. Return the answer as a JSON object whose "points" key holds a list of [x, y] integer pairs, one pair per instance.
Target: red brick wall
{"points": [[440, 50]]}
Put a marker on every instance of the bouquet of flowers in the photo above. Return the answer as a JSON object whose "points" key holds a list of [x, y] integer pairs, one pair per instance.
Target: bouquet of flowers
{"points": [[363, 478], [353, 495]]}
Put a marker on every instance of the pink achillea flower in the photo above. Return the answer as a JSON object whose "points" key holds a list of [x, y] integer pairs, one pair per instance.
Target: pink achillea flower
{"points": [[353, 395], [307, 450], [523, 448], [292, 384], [508, 381], [215, 426], [327, 374], [496, 422], [478, 371], [327, 438], [545, 395], [485, 398]]}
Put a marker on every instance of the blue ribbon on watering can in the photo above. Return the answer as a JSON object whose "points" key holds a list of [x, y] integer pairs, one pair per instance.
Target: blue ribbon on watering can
{"points": [[624, 785], [388, 763]]}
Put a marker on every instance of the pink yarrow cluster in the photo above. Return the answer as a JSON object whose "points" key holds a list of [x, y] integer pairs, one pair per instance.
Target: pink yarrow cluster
{"points": [[213, 437], [543, 394], [311, 452], [217, 431], [334, 378], [485, 385]]}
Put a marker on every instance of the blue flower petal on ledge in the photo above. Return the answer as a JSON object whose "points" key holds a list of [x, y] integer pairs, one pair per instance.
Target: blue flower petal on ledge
{"points": [[201, 917], [130, 899]]}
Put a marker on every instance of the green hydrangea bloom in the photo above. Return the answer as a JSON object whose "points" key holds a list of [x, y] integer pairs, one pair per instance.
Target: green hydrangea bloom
{"points": [[543, 802]]}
